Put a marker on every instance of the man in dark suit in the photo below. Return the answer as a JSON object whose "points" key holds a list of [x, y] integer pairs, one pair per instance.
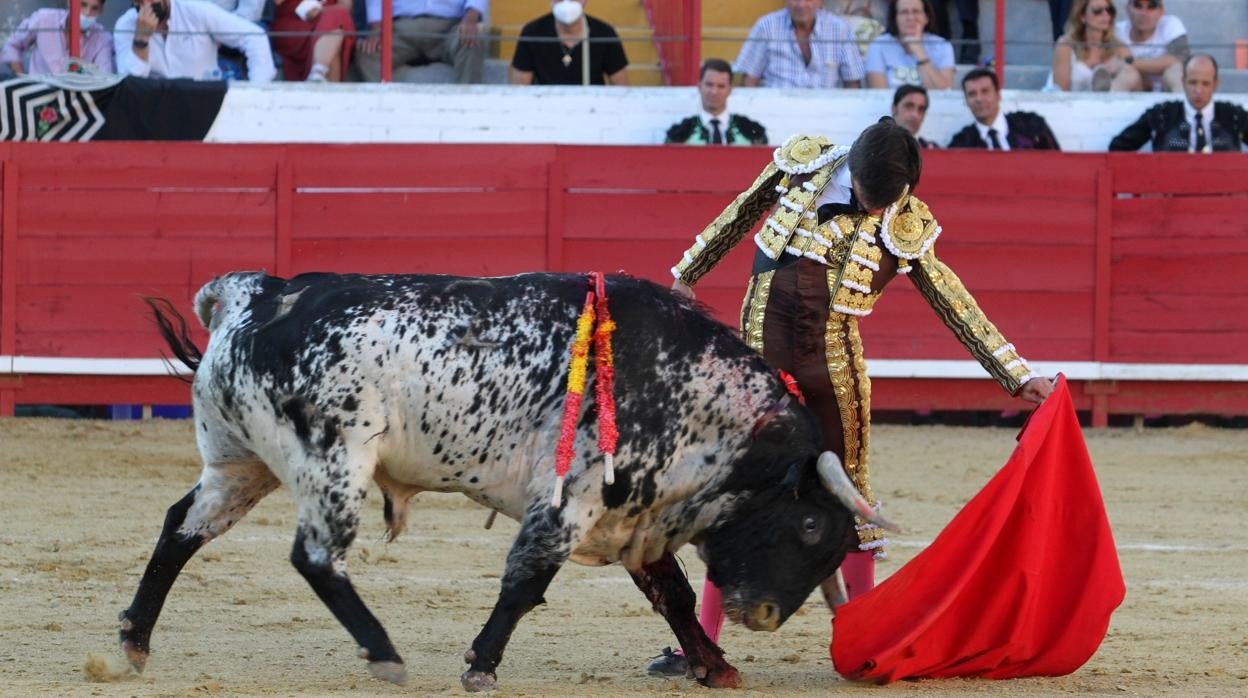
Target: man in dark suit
{"points": [[1197, 125], [910, 104], [1019, 130], [715, 126]]}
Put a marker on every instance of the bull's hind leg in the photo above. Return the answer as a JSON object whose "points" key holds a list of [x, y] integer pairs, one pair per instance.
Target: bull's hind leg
{"points": [[663, 582], [329, 497], [539, 551], [225, 492]]}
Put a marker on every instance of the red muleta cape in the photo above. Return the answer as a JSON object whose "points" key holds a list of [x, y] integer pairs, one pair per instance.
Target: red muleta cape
{"points": [[1022, 582]]}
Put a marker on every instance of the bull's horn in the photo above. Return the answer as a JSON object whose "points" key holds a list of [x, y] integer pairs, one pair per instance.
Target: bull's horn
{"points": [[833, 477]]}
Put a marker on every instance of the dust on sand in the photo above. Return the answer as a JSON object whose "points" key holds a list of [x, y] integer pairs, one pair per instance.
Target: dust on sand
{"points": [[83, 502]]}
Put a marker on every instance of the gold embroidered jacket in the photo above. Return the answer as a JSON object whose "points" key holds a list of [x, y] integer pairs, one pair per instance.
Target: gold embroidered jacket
{"points": [[852, 246]]}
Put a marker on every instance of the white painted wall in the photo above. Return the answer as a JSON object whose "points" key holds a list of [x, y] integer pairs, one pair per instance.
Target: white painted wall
{"points": [[404, 113]]}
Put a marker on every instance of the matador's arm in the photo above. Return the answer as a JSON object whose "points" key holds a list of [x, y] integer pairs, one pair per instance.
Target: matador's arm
{"points": [[713, 243], [943, 290]]}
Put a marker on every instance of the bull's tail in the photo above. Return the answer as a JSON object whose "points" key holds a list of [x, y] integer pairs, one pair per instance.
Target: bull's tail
{"points": [[177, 335]]}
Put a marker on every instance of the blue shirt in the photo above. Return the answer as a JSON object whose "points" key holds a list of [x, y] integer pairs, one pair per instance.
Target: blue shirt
{"points": [[886, 55], [772, 54], [447, 9]]}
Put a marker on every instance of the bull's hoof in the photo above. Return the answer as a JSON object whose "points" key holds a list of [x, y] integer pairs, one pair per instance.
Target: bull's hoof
{"points": [[136, 655], [725, 676], [394, 672], [477, 681]]}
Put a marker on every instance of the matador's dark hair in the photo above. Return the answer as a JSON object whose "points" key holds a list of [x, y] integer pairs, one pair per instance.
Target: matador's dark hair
{"points": [[885, 160]]}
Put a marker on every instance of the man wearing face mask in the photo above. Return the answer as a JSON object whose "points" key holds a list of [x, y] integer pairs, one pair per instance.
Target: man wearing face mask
{"points": [[180, 39], [46, 34], [553, 50]]}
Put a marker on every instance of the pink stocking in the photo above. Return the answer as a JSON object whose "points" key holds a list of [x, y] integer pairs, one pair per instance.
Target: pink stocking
{"points": [[858, 570], [712, 615]]}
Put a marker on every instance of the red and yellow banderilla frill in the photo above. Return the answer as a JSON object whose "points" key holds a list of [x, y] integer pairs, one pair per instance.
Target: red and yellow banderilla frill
{"points": [[593, 331]]}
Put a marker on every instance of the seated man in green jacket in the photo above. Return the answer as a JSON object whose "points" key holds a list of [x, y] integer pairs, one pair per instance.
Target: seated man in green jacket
{"points": [[715, 126]]}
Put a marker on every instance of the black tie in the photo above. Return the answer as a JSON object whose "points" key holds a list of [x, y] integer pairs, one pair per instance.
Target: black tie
{"points": [[717, 136], [992, 136], [1200, 132]]}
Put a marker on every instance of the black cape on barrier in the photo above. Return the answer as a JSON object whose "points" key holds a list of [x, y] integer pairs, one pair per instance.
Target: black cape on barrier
{"points": [[72, 107]]}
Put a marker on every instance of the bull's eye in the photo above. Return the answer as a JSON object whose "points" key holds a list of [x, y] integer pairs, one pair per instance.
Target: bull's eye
{"points": [[812, 530]]}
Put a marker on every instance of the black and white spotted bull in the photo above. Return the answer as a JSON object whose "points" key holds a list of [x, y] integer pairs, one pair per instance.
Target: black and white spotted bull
{"points": [[325, 382]]}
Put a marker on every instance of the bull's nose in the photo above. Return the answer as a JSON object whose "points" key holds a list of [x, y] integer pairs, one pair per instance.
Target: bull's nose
{"points": [[764, 616]]}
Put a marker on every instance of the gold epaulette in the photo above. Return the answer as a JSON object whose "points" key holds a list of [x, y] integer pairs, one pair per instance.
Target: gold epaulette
{"points": [[909, 229]]}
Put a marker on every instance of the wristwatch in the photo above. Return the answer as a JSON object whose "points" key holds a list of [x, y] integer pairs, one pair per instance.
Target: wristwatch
{"points": [[139, 43], [1129, 59], [925, 61]]}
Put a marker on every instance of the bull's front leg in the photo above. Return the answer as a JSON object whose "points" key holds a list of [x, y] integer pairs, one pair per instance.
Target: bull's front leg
{"points": [[539, 551], [663, 582]]}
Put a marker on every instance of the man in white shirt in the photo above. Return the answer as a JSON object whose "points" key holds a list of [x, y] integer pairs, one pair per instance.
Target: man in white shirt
{"points": [[1198, 124], [180, 38], [1158, 43], [250, 10]]}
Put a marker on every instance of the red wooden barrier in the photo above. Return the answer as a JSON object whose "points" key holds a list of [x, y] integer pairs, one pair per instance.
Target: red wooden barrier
{"points": [[1118, 259]]}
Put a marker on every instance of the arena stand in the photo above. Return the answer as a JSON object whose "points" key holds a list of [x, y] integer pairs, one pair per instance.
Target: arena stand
{"points": [[1115, 269]]}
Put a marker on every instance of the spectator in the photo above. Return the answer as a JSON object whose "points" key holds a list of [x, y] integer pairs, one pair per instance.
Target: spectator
{"points": [[715, 125], [1158, 42], [876, 10], [968, 15], [553, 50], [866, 18], [994, 130], [910, 104], [800, 45], [907, 54], [250, 10], [46, 31], [1196, 125], [315, 46], [427, 31], [1089, 56], [233, 63], [1059, 11], [180, 38]]}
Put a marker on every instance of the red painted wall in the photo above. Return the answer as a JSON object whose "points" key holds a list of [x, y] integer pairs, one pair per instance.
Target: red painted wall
{"points": [[1076, 257]]}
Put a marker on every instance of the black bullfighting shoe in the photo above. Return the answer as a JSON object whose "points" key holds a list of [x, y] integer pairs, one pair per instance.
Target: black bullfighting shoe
{"points": [[668, 664]]}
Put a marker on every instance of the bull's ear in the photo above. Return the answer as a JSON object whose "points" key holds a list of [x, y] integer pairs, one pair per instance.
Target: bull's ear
{"points": [[793, 478]]}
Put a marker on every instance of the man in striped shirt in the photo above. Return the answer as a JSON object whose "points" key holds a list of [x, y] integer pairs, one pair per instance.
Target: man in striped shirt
{"points": [[801, 45]]}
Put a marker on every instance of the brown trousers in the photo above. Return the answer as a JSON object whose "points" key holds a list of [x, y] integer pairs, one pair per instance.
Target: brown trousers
{"points": [[787, 316]]}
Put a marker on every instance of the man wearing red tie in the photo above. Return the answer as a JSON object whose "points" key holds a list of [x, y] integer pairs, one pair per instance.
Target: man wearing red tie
{"points": [[994, 130], [715, 126]]}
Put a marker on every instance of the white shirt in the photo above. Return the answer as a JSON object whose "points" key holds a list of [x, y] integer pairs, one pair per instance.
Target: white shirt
{"points": [[1206, 116], [196, 29], [1169, 28], [1003, 131], [249, 10], [839, 190]]}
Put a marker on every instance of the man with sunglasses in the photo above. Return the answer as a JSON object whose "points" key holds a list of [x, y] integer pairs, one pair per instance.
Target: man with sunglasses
{"points": [[1158, 43]]}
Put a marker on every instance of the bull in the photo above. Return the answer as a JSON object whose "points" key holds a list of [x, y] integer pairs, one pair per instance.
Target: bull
{"points": [[324, 382]]}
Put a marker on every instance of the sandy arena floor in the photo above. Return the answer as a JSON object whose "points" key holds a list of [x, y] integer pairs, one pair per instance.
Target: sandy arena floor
{"points": [[82, 503]]}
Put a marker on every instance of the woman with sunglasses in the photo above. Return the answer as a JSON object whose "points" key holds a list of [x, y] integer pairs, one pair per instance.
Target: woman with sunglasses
{"points": [[1089, 56]]}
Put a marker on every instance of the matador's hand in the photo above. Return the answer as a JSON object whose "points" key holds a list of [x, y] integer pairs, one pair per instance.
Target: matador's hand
{"points": [[682, 288], [1036, 390]]}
